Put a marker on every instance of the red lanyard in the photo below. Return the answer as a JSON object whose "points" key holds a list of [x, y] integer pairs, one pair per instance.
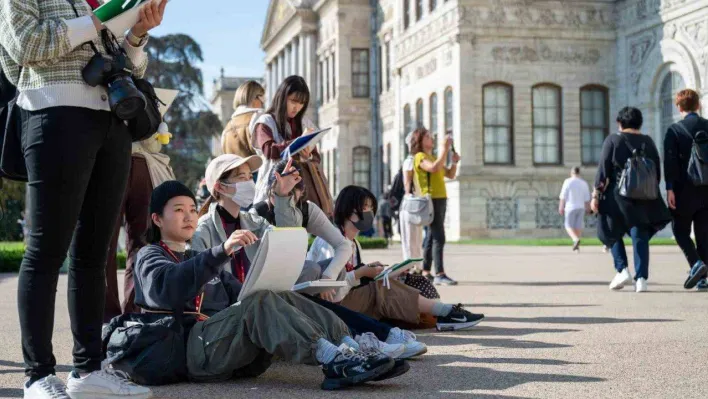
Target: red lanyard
{"points": [[93, 3], [197, 300]]}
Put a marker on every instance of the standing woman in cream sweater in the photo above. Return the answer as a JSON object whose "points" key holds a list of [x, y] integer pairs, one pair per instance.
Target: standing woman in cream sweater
{"points": [[78, 156]]}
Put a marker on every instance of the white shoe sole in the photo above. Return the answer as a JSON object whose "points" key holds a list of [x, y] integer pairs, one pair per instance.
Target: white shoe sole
{"points": [[412, 354], [457, 326], [621, 285], [89, 395], [397, 353]]}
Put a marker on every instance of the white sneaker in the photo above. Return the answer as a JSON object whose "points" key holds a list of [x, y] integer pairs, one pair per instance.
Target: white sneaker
{"points": [[49, 387], [642, 285], [413, 348], [105, 384], [368, 342], [621, 279]]}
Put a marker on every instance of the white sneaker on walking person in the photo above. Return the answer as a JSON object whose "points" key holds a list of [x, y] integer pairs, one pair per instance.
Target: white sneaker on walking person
{"points": [[105, 384], [49, 387], [621, 279], [368, 342], [642, 285], [413, 348]]}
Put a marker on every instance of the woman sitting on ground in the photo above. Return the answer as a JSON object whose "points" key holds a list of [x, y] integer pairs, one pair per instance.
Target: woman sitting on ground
{"points": [[354, 212], [231, 187], [317, 224], [262, 325]]}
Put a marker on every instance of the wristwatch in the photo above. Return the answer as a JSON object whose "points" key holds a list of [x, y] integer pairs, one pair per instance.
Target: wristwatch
{"points": [[136, 41]]}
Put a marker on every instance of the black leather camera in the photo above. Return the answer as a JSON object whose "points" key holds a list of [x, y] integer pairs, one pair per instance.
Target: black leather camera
{"points": [[115, 73]]}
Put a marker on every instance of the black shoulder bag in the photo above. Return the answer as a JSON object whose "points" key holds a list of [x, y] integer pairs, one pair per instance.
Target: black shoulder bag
{"points": [[12, 158]]}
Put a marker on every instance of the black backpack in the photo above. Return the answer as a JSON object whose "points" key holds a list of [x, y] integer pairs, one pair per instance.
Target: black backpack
{"points": [[12, 161], [397, 191], [638, 180], [149, 347], [698, 160]]}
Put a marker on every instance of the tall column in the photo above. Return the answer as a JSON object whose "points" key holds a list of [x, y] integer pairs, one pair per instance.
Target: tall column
{"points": [[281, 61], [301, 56], [271, 83]]}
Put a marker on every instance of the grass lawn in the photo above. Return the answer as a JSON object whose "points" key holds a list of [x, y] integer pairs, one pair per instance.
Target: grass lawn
{"points": [[10, 246], [550, 242]]}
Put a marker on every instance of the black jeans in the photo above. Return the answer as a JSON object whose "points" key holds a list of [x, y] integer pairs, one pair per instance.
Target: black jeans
{"points": [[357, 322], [77, 162], [434, 242], [681, 225]]}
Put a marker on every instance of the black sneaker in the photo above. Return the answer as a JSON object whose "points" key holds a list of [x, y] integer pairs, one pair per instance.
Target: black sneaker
{"points": [[400, 367], [576, 246], [458, 319], [351, 368]]}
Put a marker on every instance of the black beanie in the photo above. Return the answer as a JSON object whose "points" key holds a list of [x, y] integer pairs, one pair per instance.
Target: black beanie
{"points": [[165, 192]]}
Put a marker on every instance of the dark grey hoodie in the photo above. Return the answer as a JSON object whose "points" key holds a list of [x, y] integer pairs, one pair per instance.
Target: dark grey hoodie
{"points": [[161, 282]]}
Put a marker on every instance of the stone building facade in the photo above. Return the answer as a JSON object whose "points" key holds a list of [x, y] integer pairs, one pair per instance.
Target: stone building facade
{"points": [[527, 88]]}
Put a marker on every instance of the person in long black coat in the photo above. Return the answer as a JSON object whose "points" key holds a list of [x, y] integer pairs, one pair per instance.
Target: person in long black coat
{"points": [[688, 202], [619, 216]]}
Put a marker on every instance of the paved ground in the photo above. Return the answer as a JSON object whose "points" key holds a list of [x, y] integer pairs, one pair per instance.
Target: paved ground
{"points": [[553, 330]]}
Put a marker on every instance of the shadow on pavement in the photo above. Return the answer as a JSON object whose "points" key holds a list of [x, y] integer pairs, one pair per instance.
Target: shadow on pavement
{"points": [[484, 330], [525, 305], [542, 283], [21, 368], [509, 343], [11, 393], [575, 320], [461, 378]]}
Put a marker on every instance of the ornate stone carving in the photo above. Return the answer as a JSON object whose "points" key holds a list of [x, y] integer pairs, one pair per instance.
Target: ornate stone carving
{"points": [[634, 78], [502, 213], [426, 68], [698, 32], [547, 216], [523, 16], [526, 54], [639, 49]]}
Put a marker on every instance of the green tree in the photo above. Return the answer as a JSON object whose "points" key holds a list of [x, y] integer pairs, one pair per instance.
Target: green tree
{"points": [[12, 202], [173, 65]]}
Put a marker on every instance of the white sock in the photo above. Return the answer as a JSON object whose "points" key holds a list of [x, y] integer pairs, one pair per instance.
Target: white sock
{"points": [[441, 309], [348, 341], [326, 352]]}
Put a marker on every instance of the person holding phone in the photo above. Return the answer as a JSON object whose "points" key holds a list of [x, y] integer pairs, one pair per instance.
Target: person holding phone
{"points": [[429, 178]]}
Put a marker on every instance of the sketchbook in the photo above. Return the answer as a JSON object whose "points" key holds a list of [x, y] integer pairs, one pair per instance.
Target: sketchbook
{"points": [[302, 142], [120, 15], [277, 263], [398, 268], [315, 287]]}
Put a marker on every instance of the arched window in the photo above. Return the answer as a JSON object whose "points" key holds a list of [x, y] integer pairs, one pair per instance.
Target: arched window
{"points": [[594, 122], [433, 126], [418, 113], [418, 9], [672, 84], [498, 123], [362, 166], [546, 104], [433, 4], [448, 110]]}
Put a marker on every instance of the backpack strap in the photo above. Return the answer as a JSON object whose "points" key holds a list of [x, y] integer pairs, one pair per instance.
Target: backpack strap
{"points": [[684, 130]]}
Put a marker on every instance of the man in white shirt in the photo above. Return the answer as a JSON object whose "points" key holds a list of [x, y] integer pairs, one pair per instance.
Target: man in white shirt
{"points": [[574, 204]]}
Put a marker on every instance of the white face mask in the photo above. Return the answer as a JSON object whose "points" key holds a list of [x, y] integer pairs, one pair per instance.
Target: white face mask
{"points": [[245, 192]]}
